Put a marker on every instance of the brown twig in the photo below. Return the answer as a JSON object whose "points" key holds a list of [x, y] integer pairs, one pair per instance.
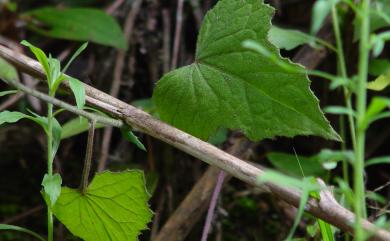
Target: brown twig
{"points": [[178, 28], [88, 158], [22, 215], [326, 208], [116, 83]]}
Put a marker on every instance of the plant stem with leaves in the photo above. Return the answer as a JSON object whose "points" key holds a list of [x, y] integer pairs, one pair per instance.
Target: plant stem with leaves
{"points": [[50, 166], [361, 98]]}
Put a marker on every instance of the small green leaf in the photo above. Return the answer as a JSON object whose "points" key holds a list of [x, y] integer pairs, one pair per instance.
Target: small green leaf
{"points": [[288, 164], [78, 90], [379, 83], [7, 71], [236, 88], [8, 92], [40, 56], [339, 110], [83, 24], [289, 39], [321, 10], [57, 129], [20, 229], [52, 187], [76, 126], [129, 135], [378, 160], [77, 53], [114, 207], [287, 181], [376, 106], [11, 116]]}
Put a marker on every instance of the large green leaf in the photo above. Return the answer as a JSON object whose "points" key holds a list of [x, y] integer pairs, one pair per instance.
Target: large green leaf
{"points": [[114, 207], [83, 24], [230, 86]]}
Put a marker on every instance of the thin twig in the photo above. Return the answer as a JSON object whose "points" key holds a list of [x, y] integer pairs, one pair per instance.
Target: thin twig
{"points": [[114, 6], [116, 83], [326, 208], [176, 43], [213, 204], [88, 158]]}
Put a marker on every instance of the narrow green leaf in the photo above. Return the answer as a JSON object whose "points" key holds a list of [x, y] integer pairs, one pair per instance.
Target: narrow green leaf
{"points": [[339, 110], [57, 129], [8, 92], [378, 160], [114, 207], [11, 116], [289, 39], [326, 230], [298, 217], [232, 87], [83, 24], [129, 135], [7, 71], [74, 56], [20, 229], [40, 56], [78, 90], [76, 126], [52, 187]]}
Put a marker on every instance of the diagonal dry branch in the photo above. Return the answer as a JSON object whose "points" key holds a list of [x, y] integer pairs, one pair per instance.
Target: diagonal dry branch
{"points": [[326, 208]]}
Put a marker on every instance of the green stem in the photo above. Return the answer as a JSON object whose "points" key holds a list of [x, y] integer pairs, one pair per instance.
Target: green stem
{"points": [[50, 165], [361, 99], [343, 71]]}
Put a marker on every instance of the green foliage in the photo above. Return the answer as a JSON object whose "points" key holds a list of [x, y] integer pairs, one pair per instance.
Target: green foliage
{"points": [[52, 188], [10, 116], [114, 207], [316, 165], [229, 86], [129, 135], [378, 160], [379, 83], [20, 229], [76, 126], [83, 24], [289, 165], [78, 90], [8, 92], [55, 76], [321, 10], [289, 39], [7, 71]]}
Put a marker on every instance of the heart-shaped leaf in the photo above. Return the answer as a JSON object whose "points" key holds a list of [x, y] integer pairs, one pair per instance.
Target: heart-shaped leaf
{"points": [[114, 207], [233, 87]]}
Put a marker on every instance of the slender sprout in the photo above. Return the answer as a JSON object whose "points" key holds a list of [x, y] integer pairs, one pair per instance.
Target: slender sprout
{"points": [[343, 70], [88, 158], [361, 98]]}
